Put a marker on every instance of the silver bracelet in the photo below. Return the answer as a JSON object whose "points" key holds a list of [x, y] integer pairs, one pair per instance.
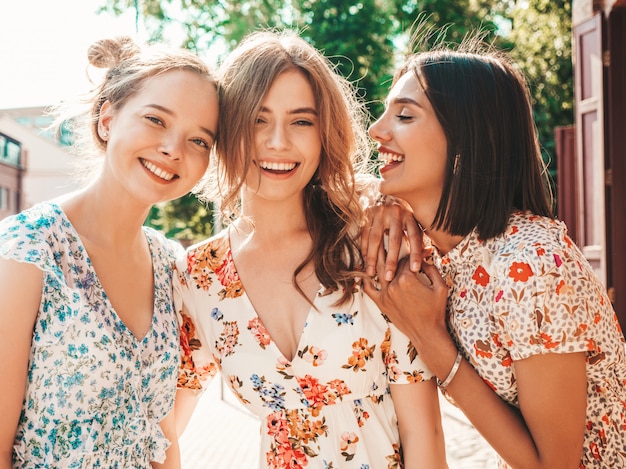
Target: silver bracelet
{"points": [[446, 382]]}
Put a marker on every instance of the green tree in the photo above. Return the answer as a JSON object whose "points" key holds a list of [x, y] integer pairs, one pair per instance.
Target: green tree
{"points": [[185, 219], [542, 36], [357, 37]]}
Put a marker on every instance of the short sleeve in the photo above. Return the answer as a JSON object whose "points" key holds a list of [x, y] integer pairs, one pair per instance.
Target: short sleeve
{"points": [[547, 300], [29, 237], [197, 366]]}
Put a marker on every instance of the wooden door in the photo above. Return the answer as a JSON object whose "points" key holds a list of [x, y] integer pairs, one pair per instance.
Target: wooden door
{"points": [[592, 193], [615, 67]]}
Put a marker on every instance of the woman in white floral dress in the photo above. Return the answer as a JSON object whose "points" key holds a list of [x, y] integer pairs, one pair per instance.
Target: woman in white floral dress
{"points": [[540, 368], [89, 345], [272, 300]]}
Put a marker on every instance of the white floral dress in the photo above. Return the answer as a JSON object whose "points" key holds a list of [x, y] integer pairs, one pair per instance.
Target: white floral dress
{"points": [[530, 291], [95, 393], [330, 406]]}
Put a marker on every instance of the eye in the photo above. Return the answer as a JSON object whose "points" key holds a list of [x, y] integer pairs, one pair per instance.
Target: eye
{"points": [[304, 123], [403, 113], [155, 120], [260, 120], [201, 142]]}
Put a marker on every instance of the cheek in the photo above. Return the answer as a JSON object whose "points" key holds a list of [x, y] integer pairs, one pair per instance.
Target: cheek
{"points": [[200, 165], [313, 148]]}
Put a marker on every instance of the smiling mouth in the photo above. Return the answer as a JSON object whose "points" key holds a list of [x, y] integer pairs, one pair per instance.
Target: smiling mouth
{"points": [[389, 158], [277, 168], [158, 172]]}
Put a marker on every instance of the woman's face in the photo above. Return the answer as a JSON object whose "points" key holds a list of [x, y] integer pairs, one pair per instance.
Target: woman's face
{"points": [[287, 138], [159, 140], [411, 145]]}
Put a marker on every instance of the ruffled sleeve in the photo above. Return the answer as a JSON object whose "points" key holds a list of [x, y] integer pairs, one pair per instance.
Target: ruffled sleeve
{"points": [[25, 237], [403, 364]]}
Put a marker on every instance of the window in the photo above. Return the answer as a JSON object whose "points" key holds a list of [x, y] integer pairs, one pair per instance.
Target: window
{"points": [[10, 151]]}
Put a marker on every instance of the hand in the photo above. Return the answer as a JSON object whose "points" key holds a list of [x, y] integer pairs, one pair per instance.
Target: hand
{"points": [[415, 302], [393, 218]]}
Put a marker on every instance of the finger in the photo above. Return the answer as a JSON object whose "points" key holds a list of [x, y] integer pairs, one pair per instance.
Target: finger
{"points": [[371, 290], [365, 232], [429, 273], [381, 265], [371, 240], [416, 243], [395, 242]]}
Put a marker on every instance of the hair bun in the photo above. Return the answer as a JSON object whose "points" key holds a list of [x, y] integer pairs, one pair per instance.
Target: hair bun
{"points": [[107, 53]]}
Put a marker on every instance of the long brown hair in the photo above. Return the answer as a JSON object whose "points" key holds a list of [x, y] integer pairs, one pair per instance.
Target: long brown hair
{"points": [[331, 203]]}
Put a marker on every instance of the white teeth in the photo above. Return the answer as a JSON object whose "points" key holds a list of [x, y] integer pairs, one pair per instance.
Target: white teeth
{"points": [[273, 166], [390, 157], [157, 171]]}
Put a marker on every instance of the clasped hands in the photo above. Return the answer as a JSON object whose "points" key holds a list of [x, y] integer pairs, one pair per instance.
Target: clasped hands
{"points": [[406, 288]]}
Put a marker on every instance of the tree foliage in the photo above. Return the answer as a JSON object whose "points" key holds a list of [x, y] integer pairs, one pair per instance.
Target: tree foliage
{"points": [[365, 39], [542, 36], [184, 219]]}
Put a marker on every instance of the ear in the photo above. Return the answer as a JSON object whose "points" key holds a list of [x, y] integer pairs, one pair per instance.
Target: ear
{"points": [[104, 121]]}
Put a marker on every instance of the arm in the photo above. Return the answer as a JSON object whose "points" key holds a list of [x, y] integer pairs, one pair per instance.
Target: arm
{"points": [[547, 431], [186, 401], [20, 296], [394, 218], [419, 422], [172, 455]]}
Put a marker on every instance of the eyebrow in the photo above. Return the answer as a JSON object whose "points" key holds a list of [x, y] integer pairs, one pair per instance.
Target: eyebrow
{"points": [[170, 113], [300, 110], [404, 100]]}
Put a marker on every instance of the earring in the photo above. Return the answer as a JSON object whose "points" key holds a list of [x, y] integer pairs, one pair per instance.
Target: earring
{"points": [[455, 167]]}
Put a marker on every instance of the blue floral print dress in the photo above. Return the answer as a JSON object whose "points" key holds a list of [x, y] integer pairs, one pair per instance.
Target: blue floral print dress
{"points": [[95, 393], [330, 406]]}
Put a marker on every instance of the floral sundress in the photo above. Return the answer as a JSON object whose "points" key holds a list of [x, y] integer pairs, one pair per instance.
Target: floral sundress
{"points": [[330, 406], [95, 393]]}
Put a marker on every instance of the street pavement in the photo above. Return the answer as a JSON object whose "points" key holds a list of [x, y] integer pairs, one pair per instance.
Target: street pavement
{"points": [[222, 434]]}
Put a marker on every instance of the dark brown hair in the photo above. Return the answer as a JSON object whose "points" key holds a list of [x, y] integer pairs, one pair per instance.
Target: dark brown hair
{"points": [[482, 102]]}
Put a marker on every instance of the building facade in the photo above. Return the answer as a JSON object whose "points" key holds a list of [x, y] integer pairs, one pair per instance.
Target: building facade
{"points": [[34, 164]]}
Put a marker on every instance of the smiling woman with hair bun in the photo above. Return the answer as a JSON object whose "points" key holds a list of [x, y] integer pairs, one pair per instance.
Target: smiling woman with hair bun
{"points": [[88, 335]]}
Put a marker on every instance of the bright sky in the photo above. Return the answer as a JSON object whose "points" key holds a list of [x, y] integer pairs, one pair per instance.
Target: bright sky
{"points": [[43, 48]]}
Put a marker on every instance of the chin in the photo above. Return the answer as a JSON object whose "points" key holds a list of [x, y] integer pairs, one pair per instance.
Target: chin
{"points": [[387, 188]]}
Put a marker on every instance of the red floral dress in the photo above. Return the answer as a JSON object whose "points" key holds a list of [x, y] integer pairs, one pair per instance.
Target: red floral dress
{"points": [[330, 406], [530, 291]]}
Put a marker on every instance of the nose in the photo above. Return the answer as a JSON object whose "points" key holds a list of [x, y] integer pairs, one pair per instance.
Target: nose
{"points": [[277, 137], [172, 146], [378, 130]]}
